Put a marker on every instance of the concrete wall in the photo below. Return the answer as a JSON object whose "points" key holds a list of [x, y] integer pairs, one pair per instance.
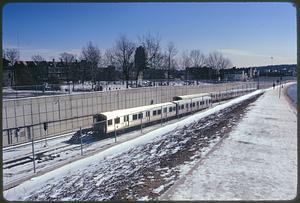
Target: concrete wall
{"points": [[37, 110]]}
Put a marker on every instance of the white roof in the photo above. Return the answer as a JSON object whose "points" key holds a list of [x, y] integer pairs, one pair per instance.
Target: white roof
{"points": [[123, 112], [193, 100], [191, 96]]}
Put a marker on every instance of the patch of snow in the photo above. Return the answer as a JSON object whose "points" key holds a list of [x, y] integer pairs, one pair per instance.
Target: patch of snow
{"points": [[258, 161], [159, 189]]}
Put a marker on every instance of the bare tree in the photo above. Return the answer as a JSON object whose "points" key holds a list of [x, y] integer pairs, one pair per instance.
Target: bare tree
{"points": [[152, 45], [68, 59], [13, 56], [123, 54], [197, 58], [91, 53], [109, 58], [185, 59], [37, 58], [171, 53], [217, 61]]}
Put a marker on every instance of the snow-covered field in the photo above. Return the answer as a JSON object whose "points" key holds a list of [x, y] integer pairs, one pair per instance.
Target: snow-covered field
{"points": [[258, 160], [141, 168]]}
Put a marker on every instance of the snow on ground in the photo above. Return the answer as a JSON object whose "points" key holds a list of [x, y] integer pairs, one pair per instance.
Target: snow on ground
{"points": [[99, 176], [258, 161], [20, 172], [292, 93]]}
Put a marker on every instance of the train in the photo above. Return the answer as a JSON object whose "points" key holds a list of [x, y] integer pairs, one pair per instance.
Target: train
{"points": [[124, 119]]}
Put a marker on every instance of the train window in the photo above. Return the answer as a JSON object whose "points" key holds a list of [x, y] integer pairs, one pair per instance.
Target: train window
{"points": [[186, 105], [117, 120], [154, 113], [193, 104], [170, 109], [147, 113], [174, 108], [165, 110], [140, 115], [182, 106], [197, 103], [134, 117], [159, 112], [126, 118], [109, 122]]}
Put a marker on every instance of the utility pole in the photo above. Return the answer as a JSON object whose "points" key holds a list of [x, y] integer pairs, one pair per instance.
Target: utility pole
{"points": [[33, 158], [81, 142]]}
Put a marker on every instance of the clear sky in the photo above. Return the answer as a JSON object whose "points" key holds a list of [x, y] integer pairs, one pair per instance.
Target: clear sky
{"points": [[248, 33]]}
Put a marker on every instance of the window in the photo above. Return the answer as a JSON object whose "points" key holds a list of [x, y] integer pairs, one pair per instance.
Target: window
{"points": [[134, 117], [165, 110], [186, 105], [154, 113], [140, 115], [193, 104], [174, 108], [126, 118], [159, 111], [147, 113], [170, 109], [182, 106], [109, 122], [117, 120], [197, 103]]}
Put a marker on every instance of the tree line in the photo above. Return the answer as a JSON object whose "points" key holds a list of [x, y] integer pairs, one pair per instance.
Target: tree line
{"points": [[132, 58]]}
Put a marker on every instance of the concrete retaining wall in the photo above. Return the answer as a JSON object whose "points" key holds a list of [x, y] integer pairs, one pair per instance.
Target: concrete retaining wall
{"points": [[78, 108]]}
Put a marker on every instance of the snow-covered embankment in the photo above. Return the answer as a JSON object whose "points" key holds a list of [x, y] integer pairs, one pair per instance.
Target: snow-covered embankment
{"points": [[258, 160], [120, 171]]}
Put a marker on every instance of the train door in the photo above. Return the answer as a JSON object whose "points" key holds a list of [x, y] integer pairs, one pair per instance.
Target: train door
{"points": [[126, 120], [148, 116], [100, 124], [177, 109]]}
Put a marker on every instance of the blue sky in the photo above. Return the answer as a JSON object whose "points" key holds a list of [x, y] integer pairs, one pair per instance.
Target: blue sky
{"points": [[248, 33]]}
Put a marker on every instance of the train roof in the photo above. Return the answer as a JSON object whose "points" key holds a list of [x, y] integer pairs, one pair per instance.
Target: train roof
{"points": [[193, 100], [191, 96], [124, 112]]}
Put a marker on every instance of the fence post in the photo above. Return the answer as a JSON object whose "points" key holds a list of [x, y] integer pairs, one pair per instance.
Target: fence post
{"points": [[161, 117], [142, 123], [33, 158], [115, 133], [81, 151]]}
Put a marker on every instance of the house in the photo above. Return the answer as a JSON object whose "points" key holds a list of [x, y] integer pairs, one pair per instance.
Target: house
{"points": [[235, 74], [7, 73]]}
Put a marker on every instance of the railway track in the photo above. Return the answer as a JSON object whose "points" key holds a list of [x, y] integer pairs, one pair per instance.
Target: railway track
{"points": [[40, 156], [44, 155]]}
